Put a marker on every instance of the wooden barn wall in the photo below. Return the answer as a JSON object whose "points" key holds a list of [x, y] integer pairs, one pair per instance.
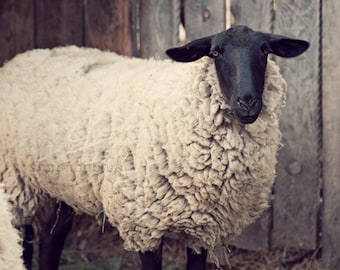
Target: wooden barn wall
{"points": [[305, 212]]}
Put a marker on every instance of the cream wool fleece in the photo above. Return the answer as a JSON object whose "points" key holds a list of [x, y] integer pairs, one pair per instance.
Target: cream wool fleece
{"points": [[10, 248], [152, 144]]}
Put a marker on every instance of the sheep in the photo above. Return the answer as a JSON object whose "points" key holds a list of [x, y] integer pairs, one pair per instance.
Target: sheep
{"points": [[155, 146], [10, 248]]}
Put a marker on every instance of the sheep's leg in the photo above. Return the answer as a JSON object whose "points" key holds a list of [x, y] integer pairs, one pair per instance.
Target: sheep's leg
{"points": [[152, 260], [196, 261], [28, 246], [53, 237]]}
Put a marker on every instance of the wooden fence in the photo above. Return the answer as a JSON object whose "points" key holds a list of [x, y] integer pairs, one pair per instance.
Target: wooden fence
{"points": [[305, 212]]}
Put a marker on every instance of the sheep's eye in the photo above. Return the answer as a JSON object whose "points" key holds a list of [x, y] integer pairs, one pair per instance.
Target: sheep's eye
{"points": [[215, 53]]}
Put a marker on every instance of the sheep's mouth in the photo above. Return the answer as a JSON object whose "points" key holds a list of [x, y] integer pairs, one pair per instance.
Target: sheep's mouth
{"points": [[248, 119], [246, 112]]}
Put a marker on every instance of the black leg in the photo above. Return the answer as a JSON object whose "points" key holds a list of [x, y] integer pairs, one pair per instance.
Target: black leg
{"points": [[196, 261], [28, 246], [53, 237], [152, 260]]}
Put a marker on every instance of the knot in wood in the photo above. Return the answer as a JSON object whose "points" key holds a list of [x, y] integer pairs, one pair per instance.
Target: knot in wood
{"points": [[206, 14], [294, 168]]}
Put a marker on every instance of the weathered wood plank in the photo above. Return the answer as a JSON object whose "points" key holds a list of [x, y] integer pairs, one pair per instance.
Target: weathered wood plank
{"points": [[159, 26], [256, 236], [108, 25], [256, 14], [16, 28], [297, 187], [204, 17], [331, 130], [58, 23]]}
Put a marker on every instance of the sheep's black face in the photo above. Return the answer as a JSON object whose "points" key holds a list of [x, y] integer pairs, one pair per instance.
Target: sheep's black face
{"points": [[240, 56], [240, 61]]}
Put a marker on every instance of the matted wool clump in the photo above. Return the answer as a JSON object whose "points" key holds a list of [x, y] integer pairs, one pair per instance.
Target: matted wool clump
{"points": [[10, 248], [151, 144]]}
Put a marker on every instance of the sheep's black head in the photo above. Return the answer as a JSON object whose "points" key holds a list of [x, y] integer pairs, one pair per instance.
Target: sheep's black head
{"points": [[240, 56]]}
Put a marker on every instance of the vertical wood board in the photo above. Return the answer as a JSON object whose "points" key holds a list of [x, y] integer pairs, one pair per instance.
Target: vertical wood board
{"points": [[331, 135], [108, 25], [59, 23], [297, 186], [159, 26], [255, 14], [16, 28], [204, 18]]}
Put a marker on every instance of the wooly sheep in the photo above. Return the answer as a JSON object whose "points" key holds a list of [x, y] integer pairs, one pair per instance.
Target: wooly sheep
{"points": [[10, 248], [156, 146]]}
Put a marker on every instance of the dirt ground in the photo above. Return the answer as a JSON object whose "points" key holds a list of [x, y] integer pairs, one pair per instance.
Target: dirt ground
{"points": [[90, 249]]}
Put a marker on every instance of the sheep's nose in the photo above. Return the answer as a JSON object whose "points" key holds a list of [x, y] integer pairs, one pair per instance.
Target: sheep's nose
{"points": [[247, 108], [247, 103]]}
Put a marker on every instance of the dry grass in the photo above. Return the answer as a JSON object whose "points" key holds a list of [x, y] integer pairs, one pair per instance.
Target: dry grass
{"points": [[275, 260], [89, 249]]}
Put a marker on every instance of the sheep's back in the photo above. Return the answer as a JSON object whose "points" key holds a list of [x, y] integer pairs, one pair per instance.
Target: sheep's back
{"points": [[63, 109]]}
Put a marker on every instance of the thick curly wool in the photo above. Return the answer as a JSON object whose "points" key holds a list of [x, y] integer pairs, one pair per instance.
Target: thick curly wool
{"points": [[10, 249], [152, 144]]}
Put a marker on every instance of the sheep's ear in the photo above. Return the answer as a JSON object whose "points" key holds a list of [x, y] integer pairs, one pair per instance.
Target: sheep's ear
{"points": [[284, 46], [191, 51]]}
